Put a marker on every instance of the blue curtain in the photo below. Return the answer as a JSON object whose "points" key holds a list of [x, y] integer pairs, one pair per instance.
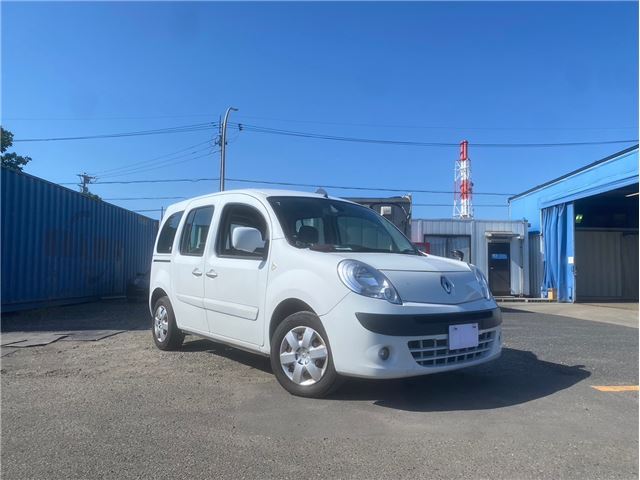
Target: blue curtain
{"points": [[555, 230]]}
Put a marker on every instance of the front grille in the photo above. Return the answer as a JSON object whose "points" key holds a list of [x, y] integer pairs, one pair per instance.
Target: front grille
{"points": [[434, 351]]}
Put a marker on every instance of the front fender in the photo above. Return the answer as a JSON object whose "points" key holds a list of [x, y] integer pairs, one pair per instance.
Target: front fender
{"points": [[322, 296], [319, 294]]}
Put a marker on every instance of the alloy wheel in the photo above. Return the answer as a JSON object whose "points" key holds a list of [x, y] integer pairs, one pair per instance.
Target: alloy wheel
{"points": [[303, 356], [161, 323]]}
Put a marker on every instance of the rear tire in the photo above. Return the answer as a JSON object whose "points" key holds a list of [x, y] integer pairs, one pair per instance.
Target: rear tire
{"points": [[165, 332], [301, 357]]}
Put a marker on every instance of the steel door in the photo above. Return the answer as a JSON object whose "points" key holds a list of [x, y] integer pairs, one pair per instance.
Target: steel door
{"points": [[500, 268]]}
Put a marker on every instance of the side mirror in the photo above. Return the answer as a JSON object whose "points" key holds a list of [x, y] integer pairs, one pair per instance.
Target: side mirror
{"points": [[246, 239], [458, 255]]}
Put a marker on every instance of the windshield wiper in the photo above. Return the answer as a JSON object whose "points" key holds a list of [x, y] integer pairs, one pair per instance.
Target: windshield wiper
{"points": [[345, 248], [319, 247]]}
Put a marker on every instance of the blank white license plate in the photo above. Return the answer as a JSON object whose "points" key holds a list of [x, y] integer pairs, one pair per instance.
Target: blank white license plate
{"points": [[463, 336]]}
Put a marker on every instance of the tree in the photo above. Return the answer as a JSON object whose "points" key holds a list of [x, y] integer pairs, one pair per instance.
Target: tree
{"points": [[11, 160], [92, 196]]}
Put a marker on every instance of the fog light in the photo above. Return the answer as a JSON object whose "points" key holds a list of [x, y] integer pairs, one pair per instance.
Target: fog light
{"points": [[383, 353]]}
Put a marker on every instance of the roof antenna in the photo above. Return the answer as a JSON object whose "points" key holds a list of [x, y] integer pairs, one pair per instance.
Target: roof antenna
{"points": [[323, 192]]}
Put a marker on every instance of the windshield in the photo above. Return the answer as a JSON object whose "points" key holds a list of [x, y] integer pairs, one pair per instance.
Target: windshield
{"points": [[332, 225]]}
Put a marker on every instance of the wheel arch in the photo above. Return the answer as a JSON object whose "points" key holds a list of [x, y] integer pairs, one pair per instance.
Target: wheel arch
{"points": [[284, 309], [155, 296]]}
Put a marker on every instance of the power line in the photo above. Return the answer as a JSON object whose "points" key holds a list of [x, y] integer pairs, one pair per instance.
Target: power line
{"points": [[275, 131], [496, 205], [151, 160], [138, 117], [143, 198], [449, 205], [188, 157], [317, 122], [289, 184], [429, 127], [344, 187], [180, 129], [319, 136], [171, 180]]}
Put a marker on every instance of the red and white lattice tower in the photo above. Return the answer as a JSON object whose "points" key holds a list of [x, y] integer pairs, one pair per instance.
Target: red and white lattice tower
{"points": [[463, 186]]}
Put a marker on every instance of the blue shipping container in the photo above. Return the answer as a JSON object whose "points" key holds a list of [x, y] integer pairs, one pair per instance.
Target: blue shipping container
{"points": [[59, 246]]}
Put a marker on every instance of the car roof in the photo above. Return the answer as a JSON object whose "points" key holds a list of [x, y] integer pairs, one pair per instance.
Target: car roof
{"points": [[259, 193]]}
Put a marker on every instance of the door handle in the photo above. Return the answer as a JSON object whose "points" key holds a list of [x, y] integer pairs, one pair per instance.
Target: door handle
{"points": [[196, 272], [212, 273]]}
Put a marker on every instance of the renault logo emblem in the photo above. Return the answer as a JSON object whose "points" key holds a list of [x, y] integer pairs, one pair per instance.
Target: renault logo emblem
{"points": [[446, 284]]}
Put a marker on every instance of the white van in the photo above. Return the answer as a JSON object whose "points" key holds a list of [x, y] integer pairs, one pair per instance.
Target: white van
{"points": [[325, 287]]}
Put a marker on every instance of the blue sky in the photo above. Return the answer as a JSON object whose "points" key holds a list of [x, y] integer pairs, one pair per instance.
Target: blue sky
{"points": [[441, 72]]}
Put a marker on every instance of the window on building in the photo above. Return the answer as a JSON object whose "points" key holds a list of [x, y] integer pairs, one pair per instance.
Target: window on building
{"points": [[195, 231], [168, 233], [444, 245]]}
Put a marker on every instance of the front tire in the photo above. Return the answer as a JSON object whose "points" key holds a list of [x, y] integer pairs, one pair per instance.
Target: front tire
{"points": [[166, 334], [301, 356]]}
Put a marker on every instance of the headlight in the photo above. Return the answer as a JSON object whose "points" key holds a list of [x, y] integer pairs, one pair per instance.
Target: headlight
{"points": [[365, 280], [482, 280]]}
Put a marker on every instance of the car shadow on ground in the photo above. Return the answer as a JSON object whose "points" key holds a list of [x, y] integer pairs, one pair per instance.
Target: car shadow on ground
{"points": [[253, 360], [512, 310], [518, 376]]}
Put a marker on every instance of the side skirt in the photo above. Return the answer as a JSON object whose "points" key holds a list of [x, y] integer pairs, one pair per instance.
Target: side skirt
{"points": [[247, 347]]}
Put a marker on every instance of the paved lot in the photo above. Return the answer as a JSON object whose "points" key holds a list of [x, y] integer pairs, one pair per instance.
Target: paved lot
{"points": [[625, 314], [119, 408]]}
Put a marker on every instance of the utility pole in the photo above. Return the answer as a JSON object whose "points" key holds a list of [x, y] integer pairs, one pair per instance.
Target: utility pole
{"points": [[223, 145], [85, 179]]}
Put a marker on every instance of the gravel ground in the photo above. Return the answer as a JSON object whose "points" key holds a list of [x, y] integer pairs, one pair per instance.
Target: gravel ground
{"points": [[120, 408]]}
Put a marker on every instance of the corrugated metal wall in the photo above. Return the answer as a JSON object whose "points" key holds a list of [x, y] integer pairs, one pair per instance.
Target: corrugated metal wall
{"points": [[536, 264], [479, 230], [59, 246], [599, 271], [630, 259], [606, 265]]}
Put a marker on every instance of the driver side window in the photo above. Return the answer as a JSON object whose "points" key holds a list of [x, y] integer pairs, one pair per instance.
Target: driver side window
{"points": [[234, 216]]}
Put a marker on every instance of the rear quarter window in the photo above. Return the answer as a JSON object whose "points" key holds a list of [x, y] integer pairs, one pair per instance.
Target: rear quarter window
{"points": [[168, 233]]}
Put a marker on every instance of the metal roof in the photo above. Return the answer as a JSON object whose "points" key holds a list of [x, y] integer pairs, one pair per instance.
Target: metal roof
{"points": [[54, 185], [574, 172]]}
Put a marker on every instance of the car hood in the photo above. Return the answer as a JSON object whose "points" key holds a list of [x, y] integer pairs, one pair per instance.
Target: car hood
{"points": [[411, 263], [425, 279]]}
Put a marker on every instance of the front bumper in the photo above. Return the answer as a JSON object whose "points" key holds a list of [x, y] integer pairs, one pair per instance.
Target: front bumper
{"points": [[416, 336]]}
